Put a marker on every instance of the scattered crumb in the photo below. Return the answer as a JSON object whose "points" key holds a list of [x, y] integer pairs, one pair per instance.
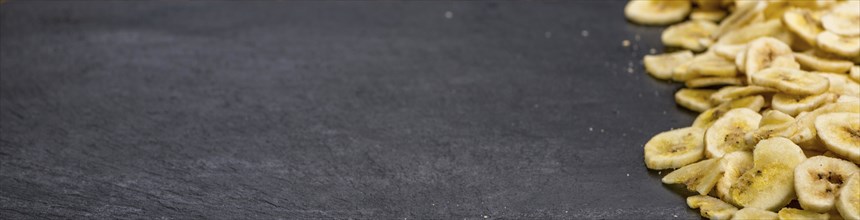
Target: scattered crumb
{"points": [[486, 216], [628, 174], [449, 14], [601, 130], [547, 34], [565, 211], [629, 70], [659, 172], [590, 129], [585, 33], [652, 51], [664, 112], [675, 216], [625, 43]]}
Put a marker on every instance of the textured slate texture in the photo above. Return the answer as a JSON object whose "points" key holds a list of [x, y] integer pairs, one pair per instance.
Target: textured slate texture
{"points": [[383, 110]]}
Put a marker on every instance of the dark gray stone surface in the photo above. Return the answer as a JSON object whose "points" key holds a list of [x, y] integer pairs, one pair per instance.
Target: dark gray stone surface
{"points": [[382, 110]]}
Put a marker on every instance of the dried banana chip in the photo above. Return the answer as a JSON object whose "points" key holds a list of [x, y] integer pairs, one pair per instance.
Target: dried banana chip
{"points": [[841, 133], [791, 81], [794, 104], [818, 179], [810, 62], [726, 135], [714, 81], [694, 99], [657, 12], [839, 45], [770, 183], [729, 93], [700, 176], [661, 66], [711, 207], [675, 148], [689, 35]]}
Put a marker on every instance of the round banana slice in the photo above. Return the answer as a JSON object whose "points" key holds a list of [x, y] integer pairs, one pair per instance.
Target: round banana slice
{"points": [[810, 62], [694, 99], [733, 165], [707, 118], [791, 81], [855, 73], [711, 208], [661, 66], [839, 45], [843, 20], [773, 124], [709, 64], [728, 51], [714, 81], [803, 23], [700, 176], [675, 148], [847, 202], [794, 104], [792, 213], [689, 34], [712, 15], [657, 12], [768, 52], [752, 32], [755, 214], [841, 133], [841, 84], [729, 93], [726, 135], [770, 183], [818, 179]]}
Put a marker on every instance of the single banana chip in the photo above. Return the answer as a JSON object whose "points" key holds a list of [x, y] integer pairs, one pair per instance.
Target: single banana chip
{"points": [[709, 64], [694, 99], [803, 23], [768, 52], [728, 51], [810, 62], [770, 183], [839, 45], [848, 98], [774, 117], [689, 34], [657, 12], [855, 73], [712, 15], [791, 81], [773, 124], [733, 165], [711, 207], [714, 81], [700, 176], [847, 202], [818, 179], [726, 135], [794, 104], [754, 214], [707, 118], [843, 20], [792, 213], [729, 93], [661, 66], [841, 84], [841, 133], [675, 148]]}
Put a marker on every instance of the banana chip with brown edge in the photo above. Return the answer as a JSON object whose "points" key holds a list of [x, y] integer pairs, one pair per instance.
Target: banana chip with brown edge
{"points": [[839, 45], [661, 66], [733, 165], [792, 213], [791, 81], [726, 135], [689, 35], [714, 81], [657, 12], [794, 104], [707, 118], [694, 99], [804, 23], [810, 62], [729, 93]]}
